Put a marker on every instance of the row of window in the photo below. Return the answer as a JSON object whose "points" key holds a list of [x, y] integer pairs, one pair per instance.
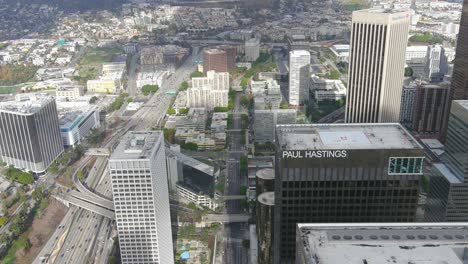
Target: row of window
{"points": [[405, 165], [350, 184]]}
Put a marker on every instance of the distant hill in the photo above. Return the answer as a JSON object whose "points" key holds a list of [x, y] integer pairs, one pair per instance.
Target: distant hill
{"points": [[73, 5]]}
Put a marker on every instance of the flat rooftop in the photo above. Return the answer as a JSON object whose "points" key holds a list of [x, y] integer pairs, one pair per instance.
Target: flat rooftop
{"points": [[27, 105], [410, 243], [462, 103], [345, 136], [136, 145]]}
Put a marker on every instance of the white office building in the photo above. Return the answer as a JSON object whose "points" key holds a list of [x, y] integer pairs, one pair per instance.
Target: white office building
{"points": [[69, 92], [210, 91], [299, 72], [377, 60], [141, 198], [76, 120], [252, 49], [325, 89]]}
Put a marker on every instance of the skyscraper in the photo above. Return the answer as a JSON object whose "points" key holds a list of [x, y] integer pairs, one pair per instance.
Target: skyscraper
{"points": [[219, 59], [141, 198], [459, 85], [376, 65], [343, 173], [430, 102], [448, 192], [299, 71], [30, 133], [460, 68]]}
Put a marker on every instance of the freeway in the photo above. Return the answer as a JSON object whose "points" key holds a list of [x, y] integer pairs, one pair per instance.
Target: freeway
{"points": [[85, 236]]}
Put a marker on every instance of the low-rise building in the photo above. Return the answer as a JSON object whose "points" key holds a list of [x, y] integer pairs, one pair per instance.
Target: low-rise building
{"points": [[196, 198], [69, 92], [341, 52], [76, 120], [152, 78], [252, 49], [325, 89]]}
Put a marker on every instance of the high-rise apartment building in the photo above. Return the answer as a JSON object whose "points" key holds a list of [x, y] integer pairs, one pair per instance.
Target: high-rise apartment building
{"points": [[368, 243], [430, 104], [141, 199], [299, 75], [447, 200], [343, 173], [376, 65], [252, 49], [30, 133], [210, 91], [219, 59]]}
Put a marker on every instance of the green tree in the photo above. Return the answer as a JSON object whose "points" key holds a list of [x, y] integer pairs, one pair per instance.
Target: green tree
{"points": [[218, 109], [38, 193], [93, 99], [196, 74], [80, 175], [190, 146], [183, 86], [243, 190], [169, 135], [3, 220], [184, 111], [171, 111], [147, 89]]}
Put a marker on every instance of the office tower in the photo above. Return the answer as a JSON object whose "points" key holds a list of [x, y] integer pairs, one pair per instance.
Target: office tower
{"points": [[267, 94], [448, 191], [414, 243], [459, 82], [343, 173], [210, 91], [429, 108], [29, 133], [141, 198], [299, 71], [265, 209], [219, 59], [436, 63], [407, 104], [460, 69], [265, 122], [376, 65], [252, 49]]}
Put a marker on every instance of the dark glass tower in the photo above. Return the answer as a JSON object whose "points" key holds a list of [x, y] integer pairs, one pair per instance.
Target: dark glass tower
{"points": [[343, 173]]}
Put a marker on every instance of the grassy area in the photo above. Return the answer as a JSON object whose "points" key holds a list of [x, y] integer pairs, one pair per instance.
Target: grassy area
{"points": [[99, 56], [90, 65], [16, 74], [427, 38], [8, 89], [352, 5]]}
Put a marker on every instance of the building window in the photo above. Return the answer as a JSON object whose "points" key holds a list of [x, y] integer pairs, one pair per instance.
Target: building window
{"points": [[405, 165]]}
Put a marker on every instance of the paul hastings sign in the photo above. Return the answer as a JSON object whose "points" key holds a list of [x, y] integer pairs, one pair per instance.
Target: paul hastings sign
{"points": [[300, 154]]}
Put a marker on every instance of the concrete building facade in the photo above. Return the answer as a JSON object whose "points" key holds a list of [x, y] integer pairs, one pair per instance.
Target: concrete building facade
{"points": [[29, 133], [141, 199], [252, 49], [376, 67], [299, 74]]}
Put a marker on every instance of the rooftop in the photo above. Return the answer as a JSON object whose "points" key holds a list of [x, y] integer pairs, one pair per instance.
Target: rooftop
{"points": [[345, 136], [267, 174], [412, 243], [27, 104], [299, 53], [136, 145], [267, 198], [462, 103]]}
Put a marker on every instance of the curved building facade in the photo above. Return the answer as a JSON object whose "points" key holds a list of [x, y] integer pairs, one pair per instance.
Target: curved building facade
{"points": [[265, 208], [265, 181]]}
